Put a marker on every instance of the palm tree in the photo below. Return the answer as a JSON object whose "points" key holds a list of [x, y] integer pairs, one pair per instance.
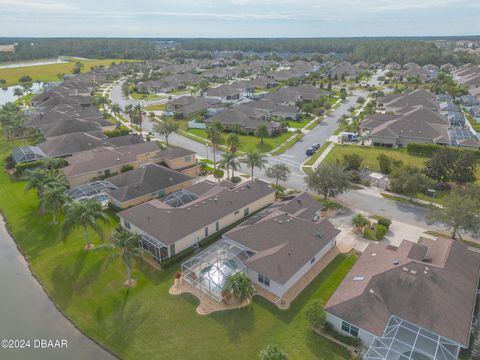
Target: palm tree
{"points": [[226, 162], [42, 179], [240, 285], [129, 110], [53, 199], [102, 100], [84, 214], [233, 141], [254, 159], [138, 113], [116, 110], [214, 134], [123, 244], [261, 132]]}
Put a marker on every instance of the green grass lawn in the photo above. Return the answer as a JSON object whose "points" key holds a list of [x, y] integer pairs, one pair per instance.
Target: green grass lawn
{"points": [[49, 72], [249, 142], [137, 96], [147, 322], [370, 154], [300, 124], [317, 154], [159, 107]]}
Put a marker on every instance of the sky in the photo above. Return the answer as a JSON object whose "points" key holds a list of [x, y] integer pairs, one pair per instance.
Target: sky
{"points": [[238, 18]]}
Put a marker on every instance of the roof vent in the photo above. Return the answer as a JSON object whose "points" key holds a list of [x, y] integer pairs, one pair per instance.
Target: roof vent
{"points": [[396, 262], [413, 272], [405, 269], [374, 254], [189, 209], [168, 211], [196, 205], [280, 221], [371, 291], [318, 236], [358, 278]]}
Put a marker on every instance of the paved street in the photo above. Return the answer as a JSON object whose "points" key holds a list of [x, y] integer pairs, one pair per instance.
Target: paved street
{"points": [[361, 200]]}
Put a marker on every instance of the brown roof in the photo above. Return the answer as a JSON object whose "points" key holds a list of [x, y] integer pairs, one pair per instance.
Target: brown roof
{"points": [[169, 225], [432, 284], [283, 244]]}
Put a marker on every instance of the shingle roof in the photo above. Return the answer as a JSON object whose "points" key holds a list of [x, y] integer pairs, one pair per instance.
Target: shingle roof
{"points": [[145, 180], [423, 287], [169, 225]]}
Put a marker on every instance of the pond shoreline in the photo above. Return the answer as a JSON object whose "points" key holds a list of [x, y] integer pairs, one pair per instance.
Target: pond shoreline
{"points": [[5, 227]]}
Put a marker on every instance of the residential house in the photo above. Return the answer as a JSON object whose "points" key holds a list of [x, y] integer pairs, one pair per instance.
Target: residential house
{"points": [[106, 161], [284, 245], [405, 299], [145, 183], [343, 70], [225, 94], [168, 230], [189, 106]]}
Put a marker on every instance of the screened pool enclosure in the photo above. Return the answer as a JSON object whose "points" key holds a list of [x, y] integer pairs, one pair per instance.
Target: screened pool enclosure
{"points": [[403, 340], [26, 154], [208, 270], [95, 189]]}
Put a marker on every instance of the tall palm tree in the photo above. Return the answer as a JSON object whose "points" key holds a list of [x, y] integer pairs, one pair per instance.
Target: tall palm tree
{"points": [[129, 111], [240, 285], [84, 214], [103, 101], [233, 141], [261, 132], [123, 244], [116, 110], [226, 162], [43, 179], [214, 134], [53, 199], [138, 113], [254, 159]]}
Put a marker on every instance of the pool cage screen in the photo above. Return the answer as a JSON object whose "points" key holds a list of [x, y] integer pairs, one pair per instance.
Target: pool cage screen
{"points": [[208, 270], [403, 340], [26, 154], [89, 190]]}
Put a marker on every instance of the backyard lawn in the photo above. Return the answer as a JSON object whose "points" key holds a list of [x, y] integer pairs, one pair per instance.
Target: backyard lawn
{"points": [[250, 142], [370, 154], [47, 73], [147, 322]]}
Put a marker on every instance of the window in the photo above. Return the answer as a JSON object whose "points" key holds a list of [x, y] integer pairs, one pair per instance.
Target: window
{"points": [[349, 328], [187, 158], [127, 224], [312, 260], [263, 280], [217, 226], [206, 231], [246, 211]]}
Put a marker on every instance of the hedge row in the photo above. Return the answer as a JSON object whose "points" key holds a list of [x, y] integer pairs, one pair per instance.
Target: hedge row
{"points": [[429, 150]]}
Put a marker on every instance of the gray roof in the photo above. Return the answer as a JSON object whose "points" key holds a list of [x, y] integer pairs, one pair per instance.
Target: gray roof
{"points": [[146, 180], [432, 284], [282, 243], [168, 225]]}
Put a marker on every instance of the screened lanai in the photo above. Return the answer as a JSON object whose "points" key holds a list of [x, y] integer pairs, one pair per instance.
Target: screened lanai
{"points": [[403, 340], [26, 154], [180, 198], [208, 269], [96, 189]]}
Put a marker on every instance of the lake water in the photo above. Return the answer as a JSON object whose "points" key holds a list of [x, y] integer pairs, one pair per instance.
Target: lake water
{"points": [[32, 63], [6, 94], [27, 313]]}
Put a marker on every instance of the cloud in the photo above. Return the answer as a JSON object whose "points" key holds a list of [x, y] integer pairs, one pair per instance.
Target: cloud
{"points": [[34, 6]]}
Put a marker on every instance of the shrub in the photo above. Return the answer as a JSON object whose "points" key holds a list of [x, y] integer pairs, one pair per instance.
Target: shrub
{"points": [[235, 179], [384, 221], [218, 174], [9, 162], [20, 168], [349, 340], [121, 131], [126, 168], [369, 233], [360, 221], [352, 161], [165, 264], [380, 231]]}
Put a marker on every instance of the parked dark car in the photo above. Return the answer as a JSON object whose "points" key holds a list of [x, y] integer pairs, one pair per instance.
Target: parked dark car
{"points": [[316, 146], [310, 151]]}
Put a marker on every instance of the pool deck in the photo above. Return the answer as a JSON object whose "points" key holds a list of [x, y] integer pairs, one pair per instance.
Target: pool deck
{"points": [[207, 304]]}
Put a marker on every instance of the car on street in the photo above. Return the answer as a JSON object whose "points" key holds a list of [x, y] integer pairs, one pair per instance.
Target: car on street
{"points": [[310, 151]]}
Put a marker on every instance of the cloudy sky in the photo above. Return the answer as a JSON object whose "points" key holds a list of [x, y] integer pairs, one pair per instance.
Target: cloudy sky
{"points": [[239, 18]]}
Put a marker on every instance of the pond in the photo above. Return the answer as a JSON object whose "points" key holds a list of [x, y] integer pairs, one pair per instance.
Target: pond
{"points": [[6, 94], [27, 313], [32, 63]]}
